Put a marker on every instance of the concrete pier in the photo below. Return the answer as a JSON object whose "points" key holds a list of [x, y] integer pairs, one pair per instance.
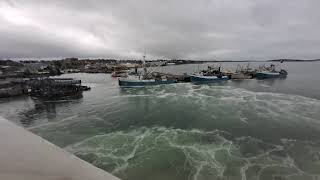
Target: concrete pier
{"points": [[26, 156]]}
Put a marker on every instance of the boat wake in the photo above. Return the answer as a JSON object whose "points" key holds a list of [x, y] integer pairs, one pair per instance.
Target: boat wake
{"points": [[196, 154], [186, 131]]}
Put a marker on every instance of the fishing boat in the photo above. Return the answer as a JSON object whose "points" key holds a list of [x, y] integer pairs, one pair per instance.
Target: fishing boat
{"points": [[145, 79], [242, 73], [207, 79], [126, 82], [210, 75], [270, 72]]}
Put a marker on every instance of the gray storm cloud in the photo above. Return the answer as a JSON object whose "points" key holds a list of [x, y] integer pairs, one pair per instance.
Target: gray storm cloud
{"points": [[204, 29]]}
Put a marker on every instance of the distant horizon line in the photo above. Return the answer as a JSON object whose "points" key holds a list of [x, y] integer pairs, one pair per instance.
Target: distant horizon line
{"points": [[159, 59]]}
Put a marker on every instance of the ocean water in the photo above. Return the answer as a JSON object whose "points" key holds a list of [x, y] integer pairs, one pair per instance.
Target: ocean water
{"points": [[248, 130]]}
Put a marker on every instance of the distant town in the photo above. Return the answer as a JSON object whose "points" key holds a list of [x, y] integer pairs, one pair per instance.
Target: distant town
{"points": [[15, 74], [33, 68]]}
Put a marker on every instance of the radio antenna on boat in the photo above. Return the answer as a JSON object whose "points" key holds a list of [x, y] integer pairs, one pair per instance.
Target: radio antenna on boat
{"points": [[144, 55], [144, 62]]}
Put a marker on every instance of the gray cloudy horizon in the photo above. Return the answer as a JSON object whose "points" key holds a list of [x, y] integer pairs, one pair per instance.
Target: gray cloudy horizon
{"points": [[204, 29]]}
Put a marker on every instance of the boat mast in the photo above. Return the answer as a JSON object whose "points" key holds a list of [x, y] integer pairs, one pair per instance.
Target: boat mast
{"points": [[144, 63]]}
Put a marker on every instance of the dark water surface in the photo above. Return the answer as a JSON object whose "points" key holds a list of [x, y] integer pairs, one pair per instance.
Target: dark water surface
{"points": [[251, 129]]}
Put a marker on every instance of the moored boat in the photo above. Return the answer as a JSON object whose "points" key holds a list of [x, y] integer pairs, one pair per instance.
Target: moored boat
{"points": [[126, 82], [270, 74], [242, 72], [211, 75], [144, 79], [207, 79]]}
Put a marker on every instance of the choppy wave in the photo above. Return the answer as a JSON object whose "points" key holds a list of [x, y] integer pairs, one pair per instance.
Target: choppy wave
{"points": [[196, 154]]}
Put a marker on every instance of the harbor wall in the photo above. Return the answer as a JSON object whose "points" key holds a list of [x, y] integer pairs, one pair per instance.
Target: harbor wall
{"points": [[26, 156]]}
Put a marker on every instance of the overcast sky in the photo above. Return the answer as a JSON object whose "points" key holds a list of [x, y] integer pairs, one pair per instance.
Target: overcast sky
{"points": [[201, 29]]}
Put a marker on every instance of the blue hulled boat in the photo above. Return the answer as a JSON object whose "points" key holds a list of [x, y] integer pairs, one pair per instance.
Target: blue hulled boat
{"points": [[125, 82], [211, 75], [145, 79], [207, 79]]}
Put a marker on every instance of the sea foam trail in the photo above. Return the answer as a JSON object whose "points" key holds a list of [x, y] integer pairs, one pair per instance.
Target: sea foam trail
{"points": [[205, 155], [198, 132], [223, 101], [54, 123]]}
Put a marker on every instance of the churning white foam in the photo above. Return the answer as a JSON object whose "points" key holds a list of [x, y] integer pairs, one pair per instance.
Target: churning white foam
{"points": [[207, 154]]}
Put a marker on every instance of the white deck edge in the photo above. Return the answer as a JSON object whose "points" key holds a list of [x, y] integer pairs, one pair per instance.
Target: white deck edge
{"points": [[26, 156]]}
